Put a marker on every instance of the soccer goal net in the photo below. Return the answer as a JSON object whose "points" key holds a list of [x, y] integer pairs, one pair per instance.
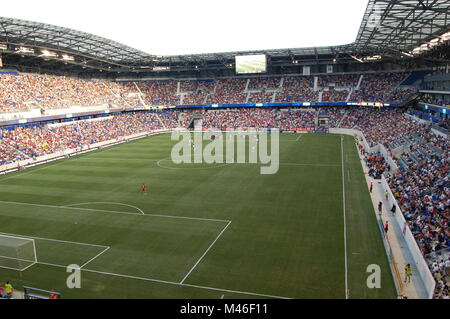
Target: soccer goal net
{"points": [[17, 253]]}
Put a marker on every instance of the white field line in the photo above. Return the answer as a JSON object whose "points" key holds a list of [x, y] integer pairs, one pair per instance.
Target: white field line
{"points": [[116, 212], [158, 163], [58, 162], [206, 251], [310, 164], [222, 164], [168, 282], [235, 291], [114, 203], [95, 257], [56, 240], [19, 259], [164, 159], [345, 222], [28, 266], [115, 159], [31, 170], [16, 269], [298, 137]]}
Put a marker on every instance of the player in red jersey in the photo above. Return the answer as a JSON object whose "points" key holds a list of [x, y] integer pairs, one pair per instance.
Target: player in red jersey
{"points": [[144, 189]]}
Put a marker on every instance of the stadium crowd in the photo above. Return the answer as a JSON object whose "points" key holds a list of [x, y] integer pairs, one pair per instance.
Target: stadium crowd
{"points": [[26, 91], [297, 89], [377, 165], [28, 142], [383, 87], [284, 119]]}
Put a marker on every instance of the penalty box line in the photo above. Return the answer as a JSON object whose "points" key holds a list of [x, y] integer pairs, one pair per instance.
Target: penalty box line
{"points": [[95, 257], [108, 247], [168, 282], [204, 254], [55, 240]]}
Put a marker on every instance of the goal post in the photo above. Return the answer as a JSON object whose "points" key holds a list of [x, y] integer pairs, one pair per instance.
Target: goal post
{"points": [[17, 253]]}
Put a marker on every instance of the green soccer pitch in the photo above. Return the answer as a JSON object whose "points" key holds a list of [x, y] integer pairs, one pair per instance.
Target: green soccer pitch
{"points": [[203, 230]]}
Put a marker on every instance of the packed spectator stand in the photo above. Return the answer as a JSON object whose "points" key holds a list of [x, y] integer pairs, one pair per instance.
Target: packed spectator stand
{"points": [[25, 91]]}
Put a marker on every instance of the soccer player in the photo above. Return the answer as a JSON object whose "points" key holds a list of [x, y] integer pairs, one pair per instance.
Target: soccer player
{"points": [[144, 189]]}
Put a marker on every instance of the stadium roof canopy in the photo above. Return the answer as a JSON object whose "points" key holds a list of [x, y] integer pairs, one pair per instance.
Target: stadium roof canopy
{"points": [[401, 25], [88, 47], [389, 27]]}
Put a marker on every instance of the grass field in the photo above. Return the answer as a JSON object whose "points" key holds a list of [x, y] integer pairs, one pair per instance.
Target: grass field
{"points": [[208, 231]]}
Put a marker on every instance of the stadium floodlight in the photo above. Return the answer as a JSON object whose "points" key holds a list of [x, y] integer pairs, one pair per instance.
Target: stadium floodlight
{"points": [[435, 41], [17, 253], [373, 58], [408, 54], [424, 47], [357, 59], [446, 36], [416, 50], [67, 57], [23, 50], [48, 54], [161, 68]]}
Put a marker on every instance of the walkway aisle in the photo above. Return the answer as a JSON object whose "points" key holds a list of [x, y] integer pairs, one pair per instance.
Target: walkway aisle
{"points": [[401, 256]]}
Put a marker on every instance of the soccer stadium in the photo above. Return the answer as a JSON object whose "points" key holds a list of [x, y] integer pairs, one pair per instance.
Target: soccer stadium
{"points": [[299, 173]]}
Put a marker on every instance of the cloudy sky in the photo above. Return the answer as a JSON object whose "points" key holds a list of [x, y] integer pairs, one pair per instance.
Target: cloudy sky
{"points": [[173, 27]]}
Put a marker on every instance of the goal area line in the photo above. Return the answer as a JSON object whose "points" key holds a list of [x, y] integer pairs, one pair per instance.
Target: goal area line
{"points": [[33, 262], [36, 261]]}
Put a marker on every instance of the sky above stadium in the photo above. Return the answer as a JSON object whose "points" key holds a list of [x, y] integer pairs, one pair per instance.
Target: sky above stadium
{"points": [[173, 27]]}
